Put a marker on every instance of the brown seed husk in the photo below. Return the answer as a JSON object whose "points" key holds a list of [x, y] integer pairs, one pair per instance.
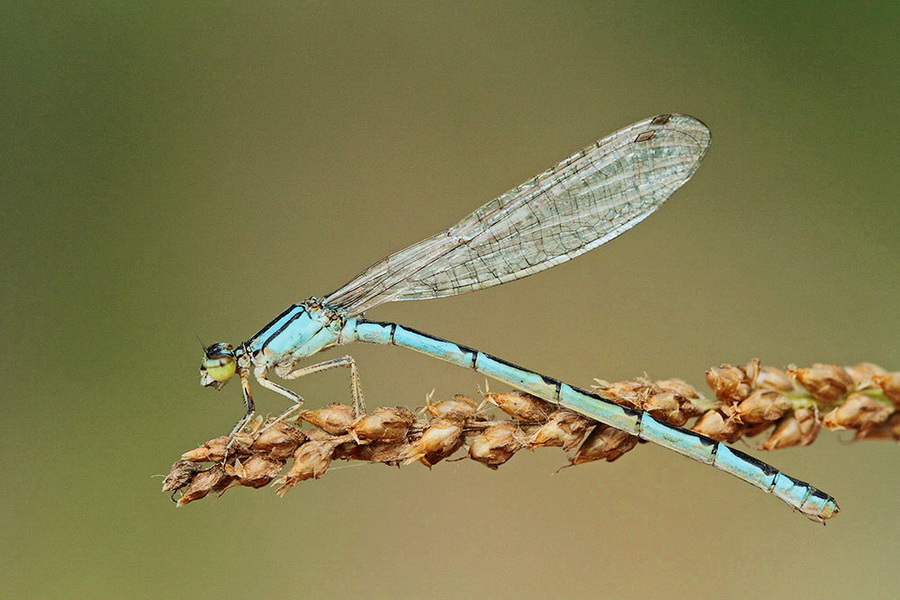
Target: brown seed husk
{"points": [[762, 406], [604, 442], [751, 372], [334, 418], [771, 378], [496, 444], [181, 474], [859, 411], [728, 383], [889, 430], [441, 439], [311, 461], [667, 405], [389, 453], [213, 479], [384, 425], [212, 451], [680, 387], [628, 393], [256, 471], [890, 384], [522, 406], [564, 429], [279, 441], [862, 375], [459, 403], [718, 426], [827, 383], [797, 428], [756, 428]]}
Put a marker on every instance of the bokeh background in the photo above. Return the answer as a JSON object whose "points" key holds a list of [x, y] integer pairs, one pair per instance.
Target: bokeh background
{"points": [[189, 169]]}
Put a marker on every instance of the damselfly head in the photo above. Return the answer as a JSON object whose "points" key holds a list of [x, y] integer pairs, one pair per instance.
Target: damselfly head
{"points": [[218, 366]]}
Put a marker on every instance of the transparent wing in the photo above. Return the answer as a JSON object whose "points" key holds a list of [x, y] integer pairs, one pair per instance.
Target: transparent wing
{"points": [[581, 203]]}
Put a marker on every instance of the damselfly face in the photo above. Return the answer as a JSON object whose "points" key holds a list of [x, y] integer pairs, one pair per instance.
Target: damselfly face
{"points": [[218, 365]]}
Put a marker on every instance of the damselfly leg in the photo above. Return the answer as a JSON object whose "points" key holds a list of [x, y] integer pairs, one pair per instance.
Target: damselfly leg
{"points": [[359, 405]]}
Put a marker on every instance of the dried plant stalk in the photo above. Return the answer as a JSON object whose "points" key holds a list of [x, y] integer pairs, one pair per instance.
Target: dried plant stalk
{"points": [[792, 405]]}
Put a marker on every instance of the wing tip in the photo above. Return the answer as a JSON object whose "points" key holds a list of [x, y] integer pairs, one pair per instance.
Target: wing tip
{"points": [[686, 124]]}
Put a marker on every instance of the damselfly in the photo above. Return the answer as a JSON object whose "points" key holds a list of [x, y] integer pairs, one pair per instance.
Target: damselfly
{"points": [[581, 203]]}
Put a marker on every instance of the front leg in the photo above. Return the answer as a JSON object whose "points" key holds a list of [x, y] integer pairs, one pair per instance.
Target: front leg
{"points": [[248, 402]]}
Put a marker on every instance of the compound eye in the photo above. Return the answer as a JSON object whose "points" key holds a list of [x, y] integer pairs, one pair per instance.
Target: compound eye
{"points": [[219, 364]]}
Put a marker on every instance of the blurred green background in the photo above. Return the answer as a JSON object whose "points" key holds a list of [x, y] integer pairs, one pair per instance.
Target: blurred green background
{"points": [[172, 171]]}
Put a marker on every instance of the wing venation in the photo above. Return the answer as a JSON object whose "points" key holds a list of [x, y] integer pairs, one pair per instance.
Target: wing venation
{"points": [[581, 203]]}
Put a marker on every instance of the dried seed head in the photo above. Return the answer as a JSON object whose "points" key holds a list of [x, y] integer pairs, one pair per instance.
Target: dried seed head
{"points": [[311, 461], [752, 429], [565, 429], [749, 400], [390, 453], [522, 406], [682, 388], [256, 471], [384, 424], [212, 451], [770, 378], [496, 444], [629, 393], [718, 426], [862, 375], [728, 383], [827, 383], [459, 403], [859, 411], [317, 435], [279, 441], [667, 405], [797, 428], [762, 406], [604, 442], [180, 475], [890, 385], [889, 430], [442, 438], [334, 418], [688, 398], [751, 372], [213, 479]]}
